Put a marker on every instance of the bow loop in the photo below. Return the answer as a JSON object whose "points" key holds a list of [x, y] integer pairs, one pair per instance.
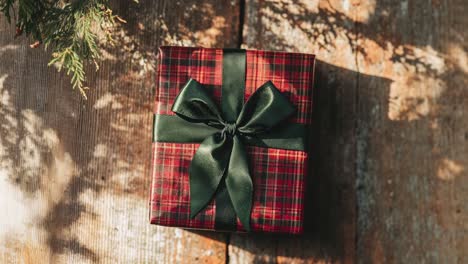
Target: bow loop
{"points": [[265, 108], [195, 105]]}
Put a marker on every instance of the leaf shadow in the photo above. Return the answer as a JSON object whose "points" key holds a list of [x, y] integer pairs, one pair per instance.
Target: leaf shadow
{"points": [[106, 139]]}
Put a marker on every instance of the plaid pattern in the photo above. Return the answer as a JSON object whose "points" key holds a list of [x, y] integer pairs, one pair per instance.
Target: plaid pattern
{"points": [[278, 175]]}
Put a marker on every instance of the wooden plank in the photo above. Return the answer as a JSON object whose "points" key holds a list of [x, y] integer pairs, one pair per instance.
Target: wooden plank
{"points": [[412, 135], [390, 110], [312, 27], [74, 174]]}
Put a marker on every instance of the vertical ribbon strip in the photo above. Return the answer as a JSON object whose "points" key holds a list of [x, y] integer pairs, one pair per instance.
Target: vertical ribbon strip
{"points": [[232, 99]]}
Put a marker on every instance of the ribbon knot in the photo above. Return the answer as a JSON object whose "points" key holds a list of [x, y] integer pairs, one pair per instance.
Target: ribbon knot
{"points": [[224, 158], [229, 129]]}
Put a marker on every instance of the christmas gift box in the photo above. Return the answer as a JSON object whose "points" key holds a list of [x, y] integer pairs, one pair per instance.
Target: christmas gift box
{"points": [[230, 139]]}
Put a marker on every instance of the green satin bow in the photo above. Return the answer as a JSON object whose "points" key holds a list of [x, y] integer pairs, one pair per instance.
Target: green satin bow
{"points": [[221, 155]]}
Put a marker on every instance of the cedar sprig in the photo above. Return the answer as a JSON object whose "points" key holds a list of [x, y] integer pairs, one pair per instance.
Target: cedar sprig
{"points": [[73, 30]]}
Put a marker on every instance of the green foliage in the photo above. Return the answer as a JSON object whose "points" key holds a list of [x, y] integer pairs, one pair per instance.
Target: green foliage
{"points": [[72, 29]]}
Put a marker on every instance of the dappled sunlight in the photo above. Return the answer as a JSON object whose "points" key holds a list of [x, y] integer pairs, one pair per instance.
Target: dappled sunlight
{"points": [[127, 160], [449, 169], [107, 100], [210, 36], [8, 123], [27, 249], [410, 99], [101, 151], [458, 56], [34, 174], [415, 72], [198, 25], [124, 231], [26, 145], [396, 61], [30, 151], [30, 186], [8, 47], [20, 210], [58, 175], [312, 27], [342, 33], [422, 60], [21, 239], [355, 10], [127, 180], [35, 170]]}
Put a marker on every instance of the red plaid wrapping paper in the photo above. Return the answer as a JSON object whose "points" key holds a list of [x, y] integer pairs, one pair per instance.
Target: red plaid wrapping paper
{"points": [[278, 175]]}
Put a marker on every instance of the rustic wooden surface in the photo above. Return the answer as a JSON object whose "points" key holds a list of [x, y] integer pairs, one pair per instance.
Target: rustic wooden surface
{"points": [[390, 140]]}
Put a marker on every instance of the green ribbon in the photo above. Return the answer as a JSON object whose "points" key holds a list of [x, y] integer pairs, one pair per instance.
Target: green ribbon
{"points": [[221, 154]]}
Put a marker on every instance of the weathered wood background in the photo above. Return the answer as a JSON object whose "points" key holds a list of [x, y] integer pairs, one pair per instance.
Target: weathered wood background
{"points": [[389, 181]]}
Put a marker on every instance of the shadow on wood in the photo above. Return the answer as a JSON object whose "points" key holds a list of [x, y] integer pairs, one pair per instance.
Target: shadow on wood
{"points": [[330, 199], [403, 157]]}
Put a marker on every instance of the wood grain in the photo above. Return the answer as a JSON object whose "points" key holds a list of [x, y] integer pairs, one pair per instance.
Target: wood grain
{"points": [[412, 142], [388, 177], [74, 174], [302, 26]]}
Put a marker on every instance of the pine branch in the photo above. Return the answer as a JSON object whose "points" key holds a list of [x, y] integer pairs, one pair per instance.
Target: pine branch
{"points": [[69, 28]]}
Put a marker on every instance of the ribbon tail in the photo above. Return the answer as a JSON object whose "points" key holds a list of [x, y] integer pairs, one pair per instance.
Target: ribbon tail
{"points": [[239, 183], [206, 170]]}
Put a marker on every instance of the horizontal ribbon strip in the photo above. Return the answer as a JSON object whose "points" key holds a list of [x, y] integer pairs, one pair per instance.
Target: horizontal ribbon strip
{"points": [[171, 128]]}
